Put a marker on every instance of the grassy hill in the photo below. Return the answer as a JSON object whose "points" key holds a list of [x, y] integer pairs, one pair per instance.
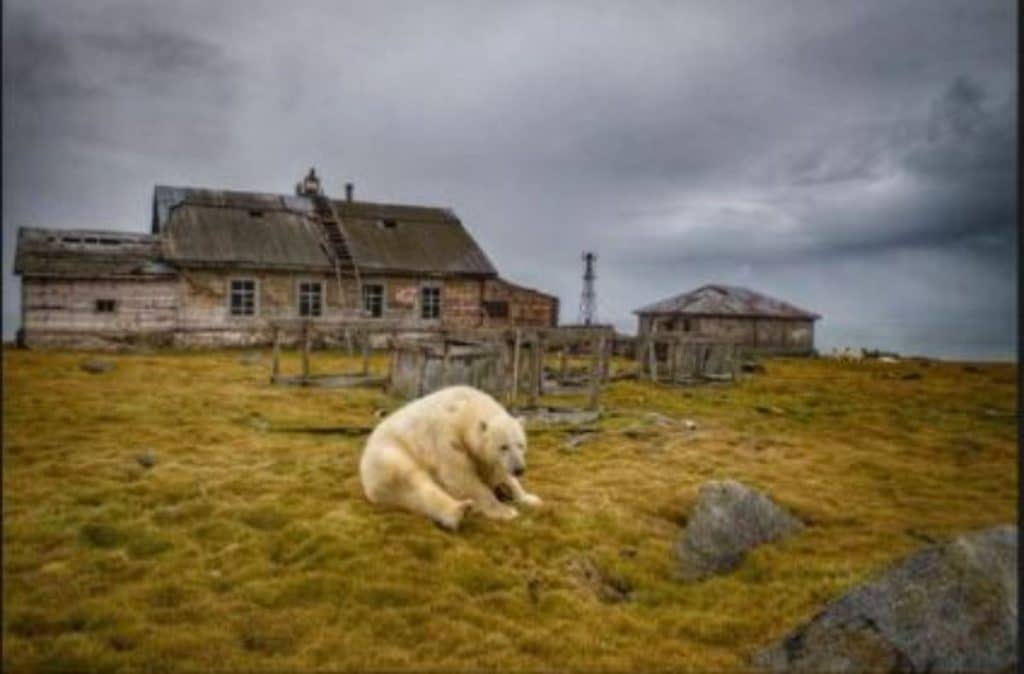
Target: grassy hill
{"points": [[246, 548]]}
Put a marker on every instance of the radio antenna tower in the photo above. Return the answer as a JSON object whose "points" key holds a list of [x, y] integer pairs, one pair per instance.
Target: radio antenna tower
{"points": [[588, 299]]}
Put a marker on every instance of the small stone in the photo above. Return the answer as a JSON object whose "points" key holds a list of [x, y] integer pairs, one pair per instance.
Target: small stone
{"points": [[146, 460], [690, 424], [96, 366]]}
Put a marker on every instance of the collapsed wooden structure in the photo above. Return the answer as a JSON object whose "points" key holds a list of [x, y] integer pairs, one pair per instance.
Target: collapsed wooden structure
{"points": [[681, 358], [507, 363]]}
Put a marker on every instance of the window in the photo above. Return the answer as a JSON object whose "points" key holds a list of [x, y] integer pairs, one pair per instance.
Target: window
{"points": [[373, 300], [255, 214], [496, 309], [686, 325], [311, 298], [430, 302], [243, 297], [105, 306]]}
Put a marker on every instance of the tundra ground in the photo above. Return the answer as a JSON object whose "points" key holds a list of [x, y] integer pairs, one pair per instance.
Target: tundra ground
{"points": [[246, 548]]}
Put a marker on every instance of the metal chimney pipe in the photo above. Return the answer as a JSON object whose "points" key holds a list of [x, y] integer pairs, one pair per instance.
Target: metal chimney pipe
{"points": [[349, 188]]}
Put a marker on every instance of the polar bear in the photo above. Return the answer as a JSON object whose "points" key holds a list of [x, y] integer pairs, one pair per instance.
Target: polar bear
{"points": [[444, 453]]}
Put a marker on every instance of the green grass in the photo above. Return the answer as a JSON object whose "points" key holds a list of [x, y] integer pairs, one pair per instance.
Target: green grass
{"points": [[247, 549]]}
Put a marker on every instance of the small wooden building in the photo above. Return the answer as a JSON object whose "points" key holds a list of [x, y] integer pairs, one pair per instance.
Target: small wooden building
{"points": [[220, 267], [730, 313]]}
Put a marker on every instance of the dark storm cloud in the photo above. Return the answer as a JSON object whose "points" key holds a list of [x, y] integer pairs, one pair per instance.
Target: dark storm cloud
{"points": [[855, 157]]}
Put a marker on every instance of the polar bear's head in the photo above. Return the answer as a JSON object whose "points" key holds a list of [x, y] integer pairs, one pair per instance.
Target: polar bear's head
{"points": [[501, 446]]}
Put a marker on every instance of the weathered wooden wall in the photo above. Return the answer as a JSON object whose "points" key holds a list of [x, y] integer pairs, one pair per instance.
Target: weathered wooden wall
{"points": [[193, 309], [62, 313], [526, 307], [773, 335]]}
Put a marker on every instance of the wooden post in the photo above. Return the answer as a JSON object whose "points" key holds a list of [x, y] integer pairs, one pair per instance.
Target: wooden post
{"points": [[563, 363], [535, 370], [364, 343], [305, 350], [421, 372], [673, 357], [348, 342], [605, 357], [652, 359], [515, 365], [275, 367], [597, 347], [444, 360]]}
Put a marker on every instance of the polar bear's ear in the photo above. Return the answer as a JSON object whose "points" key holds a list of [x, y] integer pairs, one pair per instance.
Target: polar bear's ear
{"points": [[522, 421]]}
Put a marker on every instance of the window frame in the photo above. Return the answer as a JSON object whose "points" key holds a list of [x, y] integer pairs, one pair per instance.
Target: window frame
{"points": [[321, 296], [424, 287], [255, 297], [383, 299]]}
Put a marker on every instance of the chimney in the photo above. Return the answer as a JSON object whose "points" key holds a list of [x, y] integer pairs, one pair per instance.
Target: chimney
{"points": [[349, 187]]}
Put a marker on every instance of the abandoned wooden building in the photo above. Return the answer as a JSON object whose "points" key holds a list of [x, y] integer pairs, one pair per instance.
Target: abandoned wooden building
{"points": [[220, 267], [731, 313]]}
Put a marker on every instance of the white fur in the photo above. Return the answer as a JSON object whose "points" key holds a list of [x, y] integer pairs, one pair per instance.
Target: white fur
{"points": [[444, 453]]}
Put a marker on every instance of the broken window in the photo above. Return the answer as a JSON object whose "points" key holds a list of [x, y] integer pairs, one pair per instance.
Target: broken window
{"points": [[310, 298], [373, 300], [496, 309], [243, 297], [105, 306], [430, 302]]}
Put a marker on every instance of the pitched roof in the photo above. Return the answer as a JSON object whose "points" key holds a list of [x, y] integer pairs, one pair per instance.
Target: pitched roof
{"points": [[204, 226], [90, 253], [724, 300]]}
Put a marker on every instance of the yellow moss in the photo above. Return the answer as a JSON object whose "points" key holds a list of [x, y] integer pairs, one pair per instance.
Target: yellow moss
{"points": [[244, 548]]}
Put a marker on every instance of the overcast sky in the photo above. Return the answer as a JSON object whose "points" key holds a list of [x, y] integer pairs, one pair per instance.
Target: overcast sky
{"points": [[855, 158]]}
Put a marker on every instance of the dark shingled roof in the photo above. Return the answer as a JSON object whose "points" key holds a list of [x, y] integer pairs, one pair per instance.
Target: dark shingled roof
{"points": [[213, 227], [723, 300], [88, 253]]}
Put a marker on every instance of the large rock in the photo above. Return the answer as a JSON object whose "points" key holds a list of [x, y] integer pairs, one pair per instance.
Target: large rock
{"points": [[728, 520], [948, 608]]}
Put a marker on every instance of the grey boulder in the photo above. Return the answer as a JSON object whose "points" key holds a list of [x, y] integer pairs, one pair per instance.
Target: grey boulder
{"points": [[947, 608], [728, 520]]}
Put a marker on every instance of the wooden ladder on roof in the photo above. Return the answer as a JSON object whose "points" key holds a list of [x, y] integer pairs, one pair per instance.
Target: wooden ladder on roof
{"points": [[336, 245]]}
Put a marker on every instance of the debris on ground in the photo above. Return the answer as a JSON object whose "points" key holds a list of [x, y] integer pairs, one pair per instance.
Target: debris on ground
{"points": [[96, 366], [145, 459]]}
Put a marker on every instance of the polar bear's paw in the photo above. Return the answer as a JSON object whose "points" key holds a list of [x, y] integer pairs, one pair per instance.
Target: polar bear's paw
{"points": [[531, 500], [451, 520], [501, 512]]}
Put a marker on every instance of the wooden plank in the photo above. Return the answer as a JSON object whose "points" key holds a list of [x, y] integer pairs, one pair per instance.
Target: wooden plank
{"points": [[305, 349], [652, 359], [536, 373], [364, 343], [275, 365], [515, 365], [673, 353], [597, 348]]}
